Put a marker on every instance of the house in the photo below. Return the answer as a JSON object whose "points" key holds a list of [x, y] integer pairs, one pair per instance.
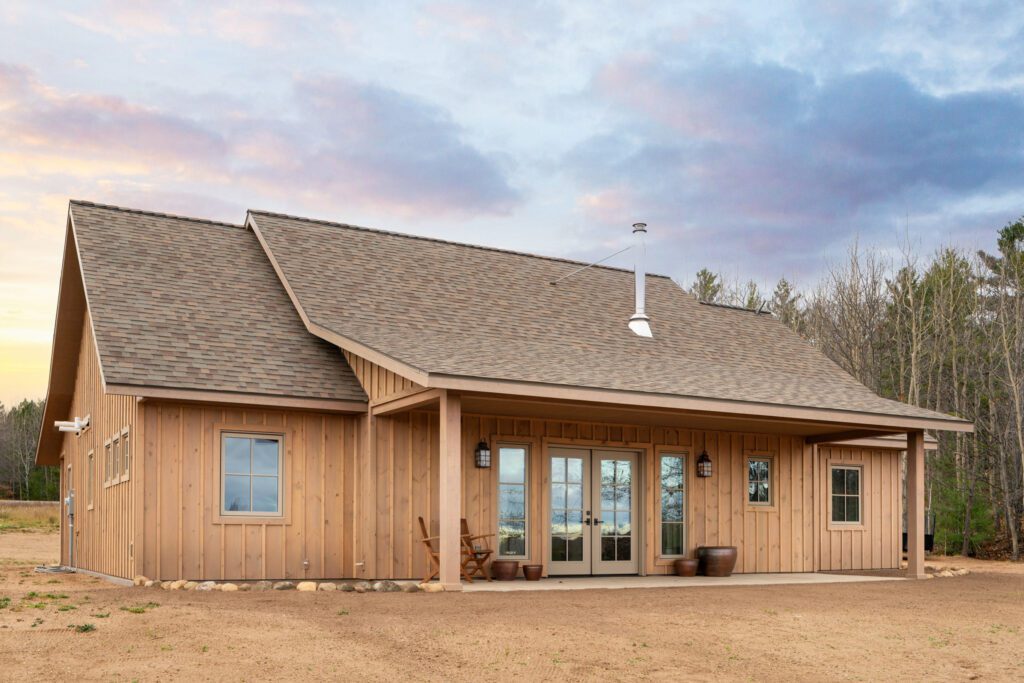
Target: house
{"points": [[285, 397]]}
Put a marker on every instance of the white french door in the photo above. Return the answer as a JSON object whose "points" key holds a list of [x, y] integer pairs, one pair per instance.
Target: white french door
{"points": [[593, 511]]}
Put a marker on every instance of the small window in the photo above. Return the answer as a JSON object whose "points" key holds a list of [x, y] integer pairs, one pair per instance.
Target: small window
{"points": [[251, 475], [91, 481], [108, 462], [673, 501], [512, 467], [846, 494], [125, 454], [759, 481], [115, 468]]}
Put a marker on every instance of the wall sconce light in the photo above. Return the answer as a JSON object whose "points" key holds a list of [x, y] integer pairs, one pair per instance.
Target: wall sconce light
{"points": [[704, 465], [483, 454]]}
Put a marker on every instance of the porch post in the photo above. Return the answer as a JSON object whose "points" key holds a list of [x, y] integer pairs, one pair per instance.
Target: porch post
{"points": [[450, 495], [915, 505]]}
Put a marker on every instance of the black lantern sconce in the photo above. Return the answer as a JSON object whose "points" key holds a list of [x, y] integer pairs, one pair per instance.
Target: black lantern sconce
{"points": [[704, 465], [483, 454]]}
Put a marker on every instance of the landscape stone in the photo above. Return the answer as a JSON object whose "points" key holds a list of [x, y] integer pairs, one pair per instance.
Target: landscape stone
{"points": [[152, 584], [346, 587], [306, 586], [386, 587], [139, 580], [410, 588], [166, 585], [206, 586], [327, 587], [432, 587], [284, 586], [190, 585], [262, 586], [229, 587], [178, 584], [245, 587]]}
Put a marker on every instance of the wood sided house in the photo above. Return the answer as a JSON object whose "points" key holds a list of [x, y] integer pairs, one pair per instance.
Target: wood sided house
{"points": [[284, 398]]}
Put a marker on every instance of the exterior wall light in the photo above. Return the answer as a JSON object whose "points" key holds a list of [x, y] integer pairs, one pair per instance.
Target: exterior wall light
{"points": [[483, 454], [704, 464]]}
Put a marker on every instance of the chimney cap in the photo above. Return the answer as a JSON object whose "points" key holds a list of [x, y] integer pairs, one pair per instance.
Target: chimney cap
{"points": [[639, 227]]}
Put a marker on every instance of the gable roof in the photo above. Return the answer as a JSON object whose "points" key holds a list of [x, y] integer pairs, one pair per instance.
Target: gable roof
{"points": [[439, 311]]}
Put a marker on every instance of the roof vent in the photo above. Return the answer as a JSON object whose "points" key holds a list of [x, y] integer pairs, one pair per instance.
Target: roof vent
{"points": [[640, 323]]}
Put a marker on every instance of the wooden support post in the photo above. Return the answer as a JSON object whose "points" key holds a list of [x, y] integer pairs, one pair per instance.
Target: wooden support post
{"points": [[450, 495], [915, 505]]}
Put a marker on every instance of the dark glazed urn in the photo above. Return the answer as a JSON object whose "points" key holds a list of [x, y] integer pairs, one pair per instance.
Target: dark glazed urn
{"points": [[504, 570], [716, 560]]}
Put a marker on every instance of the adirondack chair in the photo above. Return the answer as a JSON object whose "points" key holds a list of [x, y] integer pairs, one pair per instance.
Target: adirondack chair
{"points": [[475, 556], [474, 559]]}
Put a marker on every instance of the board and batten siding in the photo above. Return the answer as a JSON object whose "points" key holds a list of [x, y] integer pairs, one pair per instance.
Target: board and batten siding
{"points": [[105, 536], [379, 383], [877, 543], [185, 535]]}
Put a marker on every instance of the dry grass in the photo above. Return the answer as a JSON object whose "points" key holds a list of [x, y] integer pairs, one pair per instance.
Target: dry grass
{"points": [[16, 516]]}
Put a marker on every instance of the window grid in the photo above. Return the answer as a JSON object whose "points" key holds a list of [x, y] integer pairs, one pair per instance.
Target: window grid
{"points": [[251, 475], [846, 494], [759, 481]]}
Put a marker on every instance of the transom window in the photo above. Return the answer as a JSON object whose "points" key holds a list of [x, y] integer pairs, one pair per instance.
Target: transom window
{"points": [[759, 480], [512, 471], [251, 474], [673, 500], [846, 494]]}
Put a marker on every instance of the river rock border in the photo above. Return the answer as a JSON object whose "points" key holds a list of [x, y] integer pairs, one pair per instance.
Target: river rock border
{"points": [[300, 586]]}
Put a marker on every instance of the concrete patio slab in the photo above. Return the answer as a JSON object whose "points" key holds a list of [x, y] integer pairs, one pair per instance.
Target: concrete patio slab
{"points": [[623, 582]]}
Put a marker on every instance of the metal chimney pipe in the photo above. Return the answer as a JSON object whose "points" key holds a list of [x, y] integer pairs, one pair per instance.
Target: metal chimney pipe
{"points": [[640, 323]]}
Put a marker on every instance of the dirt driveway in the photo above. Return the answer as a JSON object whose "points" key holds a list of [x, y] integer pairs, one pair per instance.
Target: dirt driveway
{"points": [[961, 628]]}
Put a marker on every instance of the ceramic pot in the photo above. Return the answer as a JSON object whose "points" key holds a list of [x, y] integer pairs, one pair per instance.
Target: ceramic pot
{"points": [[716, 560], [532, 572], [686, 567], [504, 570]]}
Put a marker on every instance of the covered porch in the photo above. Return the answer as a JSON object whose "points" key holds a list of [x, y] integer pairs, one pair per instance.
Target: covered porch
{"points": [[558, 508]]}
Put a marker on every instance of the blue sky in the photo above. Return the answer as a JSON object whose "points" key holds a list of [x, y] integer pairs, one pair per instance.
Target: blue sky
{"points": [[755, 138]]}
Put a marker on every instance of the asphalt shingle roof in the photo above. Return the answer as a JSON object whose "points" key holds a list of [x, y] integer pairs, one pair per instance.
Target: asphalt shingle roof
{"points": [[470, 311], [190, 304]]}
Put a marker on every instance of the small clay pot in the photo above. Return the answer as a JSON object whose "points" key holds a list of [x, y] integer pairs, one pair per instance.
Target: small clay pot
{"points": [[504, 570], [532, 572], [686, 567], [716, 560]]}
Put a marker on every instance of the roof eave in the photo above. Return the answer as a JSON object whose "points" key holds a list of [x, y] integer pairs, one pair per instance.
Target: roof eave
{"points": [[695, 404], [192, 395]]}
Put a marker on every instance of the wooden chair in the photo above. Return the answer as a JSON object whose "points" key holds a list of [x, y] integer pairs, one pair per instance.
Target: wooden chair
{"points": [[433, 552], [474, 558]]}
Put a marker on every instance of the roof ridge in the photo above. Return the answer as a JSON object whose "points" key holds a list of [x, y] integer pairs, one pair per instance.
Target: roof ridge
{"points": [[158, 214], [734, 307], [438, 240]]}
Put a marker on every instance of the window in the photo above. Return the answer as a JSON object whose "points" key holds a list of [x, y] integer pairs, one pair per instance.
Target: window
{"points": [[512, 465], [673, 500], [115, 468], [108, 462], [846, 494], [759, 481], [251, 475], [125, 454], [91, 481]]}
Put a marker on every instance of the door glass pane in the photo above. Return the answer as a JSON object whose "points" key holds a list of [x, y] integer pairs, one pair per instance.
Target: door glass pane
{"points": [[607, 548], [558, 548], [567, 501], [557, 469], [575, 549], [574, 471], [616, 500]]}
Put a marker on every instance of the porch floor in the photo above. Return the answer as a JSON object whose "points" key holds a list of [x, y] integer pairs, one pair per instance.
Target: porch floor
{"points": [[568, 583]]}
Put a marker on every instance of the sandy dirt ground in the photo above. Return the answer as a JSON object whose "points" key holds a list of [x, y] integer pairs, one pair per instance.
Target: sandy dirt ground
{"points": [[961, 628]]}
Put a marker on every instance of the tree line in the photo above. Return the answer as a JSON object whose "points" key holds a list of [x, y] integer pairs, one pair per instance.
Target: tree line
{"points": [[20, 479], [945, 332]]}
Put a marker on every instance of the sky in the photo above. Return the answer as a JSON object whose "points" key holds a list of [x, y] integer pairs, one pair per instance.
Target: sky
{"points": [[757, 139]]}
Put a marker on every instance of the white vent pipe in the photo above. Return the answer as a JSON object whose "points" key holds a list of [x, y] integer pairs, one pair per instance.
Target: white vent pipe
{"points": [[640, 323]]}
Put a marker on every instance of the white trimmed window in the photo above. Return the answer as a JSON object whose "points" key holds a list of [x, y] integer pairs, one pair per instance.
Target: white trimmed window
{"points": [[673, 504], [115, 468], [251, 481], [90, 490], [125, 454], [512, 520], [108, 462], [846, 494], [759, 480]]}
